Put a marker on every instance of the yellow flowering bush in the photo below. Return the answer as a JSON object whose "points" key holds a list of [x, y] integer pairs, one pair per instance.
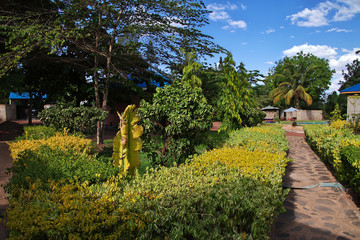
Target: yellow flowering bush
{"points": [[264, 138], [229, 193], [257, 164], [62, 141], [340, 124], [329, 143]]}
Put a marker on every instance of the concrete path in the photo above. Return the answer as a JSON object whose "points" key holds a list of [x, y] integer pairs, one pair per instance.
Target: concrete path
{"points": [[316, 213]]}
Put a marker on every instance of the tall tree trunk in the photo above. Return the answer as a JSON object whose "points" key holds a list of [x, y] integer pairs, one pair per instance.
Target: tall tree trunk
{"points": [[297, 102], [100, 125], [30, 107]]}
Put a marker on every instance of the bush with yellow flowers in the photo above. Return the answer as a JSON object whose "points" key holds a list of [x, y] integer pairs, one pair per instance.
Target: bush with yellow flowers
{"points": [[165, 203], [265, 138], [229, 193], [337, 146], [62, 141], [340, 124]]}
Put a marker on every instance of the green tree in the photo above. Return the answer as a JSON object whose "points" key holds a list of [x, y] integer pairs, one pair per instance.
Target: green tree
{"points": [[235, 98], [192, 70], [332, 100], [173, 123], [110, 32], [352, 77], [303, 76]]}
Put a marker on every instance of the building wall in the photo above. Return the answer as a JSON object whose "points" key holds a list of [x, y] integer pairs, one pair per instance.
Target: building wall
{"points": [[353, 106], [305, 115], [7, 112], [309, 115], [271, 114]]}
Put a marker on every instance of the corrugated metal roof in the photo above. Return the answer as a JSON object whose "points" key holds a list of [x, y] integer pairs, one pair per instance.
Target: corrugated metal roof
{"points": [[24, 95], [352, 89]]}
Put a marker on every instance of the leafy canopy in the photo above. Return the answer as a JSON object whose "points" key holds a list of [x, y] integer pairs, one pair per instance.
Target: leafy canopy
{"points": [[303, 76]]}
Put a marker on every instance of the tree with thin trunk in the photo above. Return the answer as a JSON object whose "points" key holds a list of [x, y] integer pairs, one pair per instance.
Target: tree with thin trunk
{"points": [[114, 34]]}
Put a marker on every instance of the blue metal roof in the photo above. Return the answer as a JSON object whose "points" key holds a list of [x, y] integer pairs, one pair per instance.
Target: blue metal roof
{"points": [[24, 95], [352, 89]]}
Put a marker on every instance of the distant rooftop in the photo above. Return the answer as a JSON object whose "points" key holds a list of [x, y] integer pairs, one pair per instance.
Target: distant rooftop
{"points": [[24, 95], [269, 108], [351, 90]]}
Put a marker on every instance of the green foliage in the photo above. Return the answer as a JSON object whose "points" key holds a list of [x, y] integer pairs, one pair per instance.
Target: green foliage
{"points": [[235, 97], [332, 100], [36, 132], [229, 193], [350, 157], [336, 114], [54, 164], [352, 77], [173, 123], [127, 142], [303, 76], [337, 146], [265, 138], [191, 71], [76, 119]]}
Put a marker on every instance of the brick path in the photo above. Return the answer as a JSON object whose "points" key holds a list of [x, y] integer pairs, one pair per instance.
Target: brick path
{"points": [[317, 213]]}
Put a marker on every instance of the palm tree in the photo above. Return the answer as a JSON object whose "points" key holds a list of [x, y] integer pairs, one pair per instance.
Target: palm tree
{"points": [[292, 83]]}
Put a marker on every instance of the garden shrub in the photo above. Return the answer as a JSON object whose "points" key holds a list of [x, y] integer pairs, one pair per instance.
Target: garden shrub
{"points": [[350, 157], [340, 124], [167, 203], [173, 123], [329, 143], [69, 211], [265, 138], [47, 164], [37, 132], [62, 141], [223, 194], [260, 165], [76, 119]]}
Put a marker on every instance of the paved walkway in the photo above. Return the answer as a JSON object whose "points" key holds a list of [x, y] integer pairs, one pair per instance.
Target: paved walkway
{"points": [[316, 213]]}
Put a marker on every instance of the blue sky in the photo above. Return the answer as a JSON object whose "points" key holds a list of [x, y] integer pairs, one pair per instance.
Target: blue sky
{"points": [[261, 32]]}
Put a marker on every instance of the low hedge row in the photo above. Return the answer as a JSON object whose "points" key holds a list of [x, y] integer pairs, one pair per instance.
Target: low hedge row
{"points": [[55, 164], [62, 141], [265, 138], [337, 146], [229, 193]]}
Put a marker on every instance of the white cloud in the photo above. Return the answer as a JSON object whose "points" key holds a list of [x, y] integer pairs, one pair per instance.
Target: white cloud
{"points": [[271, 30], [309, 18], [325, 12], [322, 51], [220, 13], [292, 36], [244, 43], [338, 30], [237, 24], [270, 62], [243, 7], [221, 7]]}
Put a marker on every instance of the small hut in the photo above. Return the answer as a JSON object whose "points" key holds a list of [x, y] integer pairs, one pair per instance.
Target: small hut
{"points": [[271, 113]]}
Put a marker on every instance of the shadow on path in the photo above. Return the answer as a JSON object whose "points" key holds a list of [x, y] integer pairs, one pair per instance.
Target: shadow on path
{"points": [[313, 213]]}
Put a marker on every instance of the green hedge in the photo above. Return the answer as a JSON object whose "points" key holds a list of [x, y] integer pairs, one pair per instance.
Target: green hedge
{"points": [[338, 148], [265, 138], [48, 164], [229, 198], [350, 156], [37, 132], [76, 119]]}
